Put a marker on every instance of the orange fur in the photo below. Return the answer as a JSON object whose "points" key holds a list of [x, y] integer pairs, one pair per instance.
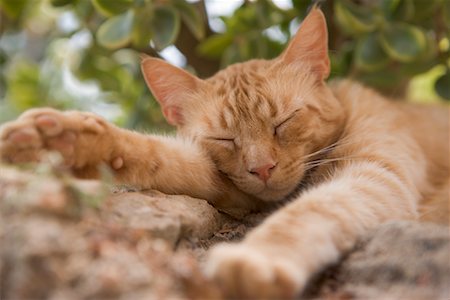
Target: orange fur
{"points": [[261, 132]]}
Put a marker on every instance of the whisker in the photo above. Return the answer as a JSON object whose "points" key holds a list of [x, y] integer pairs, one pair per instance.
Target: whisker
{"points": [[341, 142], [346, 141], [330, 159], [314, 164]]}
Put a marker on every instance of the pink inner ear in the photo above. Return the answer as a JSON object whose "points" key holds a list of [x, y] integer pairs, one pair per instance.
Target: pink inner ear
{"points": [[310, 44], [173, 115], [170, 86]]}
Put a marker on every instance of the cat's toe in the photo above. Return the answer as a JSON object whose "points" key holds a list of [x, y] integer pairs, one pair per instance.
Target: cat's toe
{"points": [[35, 132], [63, 143], [24, 138], [49, 125], [246, 272], [93, 123], [19, 141]]}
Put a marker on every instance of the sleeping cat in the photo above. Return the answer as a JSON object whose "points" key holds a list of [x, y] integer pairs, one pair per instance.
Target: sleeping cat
{"points": [[340, 157]]}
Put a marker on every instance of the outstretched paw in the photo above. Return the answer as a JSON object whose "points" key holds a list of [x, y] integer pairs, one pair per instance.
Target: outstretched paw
{"points": [[39, 130], [245, 272]]}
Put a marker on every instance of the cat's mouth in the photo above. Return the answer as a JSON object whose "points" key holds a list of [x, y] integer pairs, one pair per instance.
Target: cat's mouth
{"points": [[276, 191]]}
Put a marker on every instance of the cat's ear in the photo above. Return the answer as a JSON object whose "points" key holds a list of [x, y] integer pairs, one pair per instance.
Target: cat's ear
{"points": [[310, 44], [170, 85]]}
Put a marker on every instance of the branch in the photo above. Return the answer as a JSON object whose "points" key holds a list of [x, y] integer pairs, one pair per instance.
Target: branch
{"points": [[148, 50], [187, 44]]}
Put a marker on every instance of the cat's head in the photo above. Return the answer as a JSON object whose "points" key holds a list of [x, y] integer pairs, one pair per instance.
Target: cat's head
{"points": [[258, 120]]}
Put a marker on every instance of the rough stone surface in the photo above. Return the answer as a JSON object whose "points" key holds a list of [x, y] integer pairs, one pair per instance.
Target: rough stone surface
{"points": [[164, 216], [66, 239], [59, 241], [398, 260]]}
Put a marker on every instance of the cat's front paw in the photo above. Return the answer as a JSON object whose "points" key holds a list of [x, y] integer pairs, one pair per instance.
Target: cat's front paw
{"points": [[73, 134], [246, 272]]}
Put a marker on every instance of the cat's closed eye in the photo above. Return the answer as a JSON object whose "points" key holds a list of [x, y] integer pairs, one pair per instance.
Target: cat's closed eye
{"points": [[227, 142], [280, 126]]}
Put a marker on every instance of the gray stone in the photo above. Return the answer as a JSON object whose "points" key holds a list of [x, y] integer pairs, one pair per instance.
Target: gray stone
{"points": [[397, 260], [170, 217]]}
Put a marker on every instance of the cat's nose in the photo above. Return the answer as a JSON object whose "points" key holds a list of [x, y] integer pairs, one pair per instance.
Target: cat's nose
{"points": [[263, 172]]}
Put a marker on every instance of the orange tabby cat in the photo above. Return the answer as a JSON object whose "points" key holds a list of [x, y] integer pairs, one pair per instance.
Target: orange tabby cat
{"points": [[251, 136]]}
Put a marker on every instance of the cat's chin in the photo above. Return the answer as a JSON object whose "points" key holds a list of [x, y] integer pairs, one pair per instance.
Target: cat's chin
{"points": [[273, 194]]}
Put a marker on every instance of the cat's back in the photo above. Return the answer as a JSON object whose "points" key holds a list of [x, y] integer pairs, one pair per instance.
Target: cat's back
{"points": [[429, 125], [370, 113]]}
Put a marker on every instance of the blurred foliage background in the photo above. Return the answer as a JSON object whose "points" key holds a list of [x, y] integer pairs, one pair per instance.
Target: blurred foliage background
{"points": [[84, 54]]}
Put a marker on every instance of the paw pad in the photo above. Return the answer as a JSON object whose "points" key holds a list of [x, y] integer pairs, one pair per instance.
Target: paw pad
{"points": [[117, 163]]}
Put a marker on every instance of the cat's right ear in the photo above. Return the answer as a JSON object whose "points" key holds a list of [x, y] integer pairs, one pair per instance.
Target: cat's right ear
{"points": [[169, 85]]}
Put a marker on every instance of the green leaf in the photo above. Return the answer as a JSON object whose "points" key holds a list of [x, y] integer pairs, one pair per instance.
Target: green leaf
{"points": [[13, 8], [243, 20], [424, 9], [230, 56], [112, 7], [58, 3], [381, 79], [369, 55], [191, 17], [274, 48], [416, 68], [389, 6], [403, 42], [342, 60], [166, 25], [398, 9], [268, 14], [442, 86], [23, 85], [215, 45], [116, 31], [245, 48], [446, 13], [301, 6], [142, 27], [424, 62], [354, 19]]}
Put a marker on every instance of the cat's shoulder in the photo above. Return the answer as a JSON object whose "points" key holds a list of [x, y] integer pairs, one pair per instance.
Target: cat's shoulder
{"points": [[348, 90], [358, 99]]}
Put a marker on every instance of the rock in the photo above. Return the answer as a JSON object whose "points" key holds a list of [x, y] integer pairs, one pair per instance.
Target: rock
{"points": [[57, 242], [401, 260], [49, 191], [170, 217], [397, 260]]}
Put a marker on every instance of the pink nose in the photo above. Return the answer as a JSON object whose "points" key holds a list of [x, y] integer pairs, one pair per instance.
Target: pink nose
{"points": [[263, 172]]}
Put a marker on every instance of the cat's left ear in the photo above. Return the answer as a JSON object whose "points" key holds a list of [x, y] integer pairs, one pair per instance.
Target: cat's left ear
{"points": [[170, 85], [310, 44]]}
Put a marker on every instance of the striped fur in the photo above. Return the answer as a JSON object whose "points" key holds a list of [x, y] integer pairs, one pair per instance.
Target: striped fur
{"points": [[343, 157]]}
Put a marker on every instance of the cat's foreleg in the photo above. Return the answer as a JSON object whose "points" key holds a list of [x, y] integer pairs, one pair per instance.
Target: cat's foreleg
{"points": [[278, 257], [85, 141]]}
